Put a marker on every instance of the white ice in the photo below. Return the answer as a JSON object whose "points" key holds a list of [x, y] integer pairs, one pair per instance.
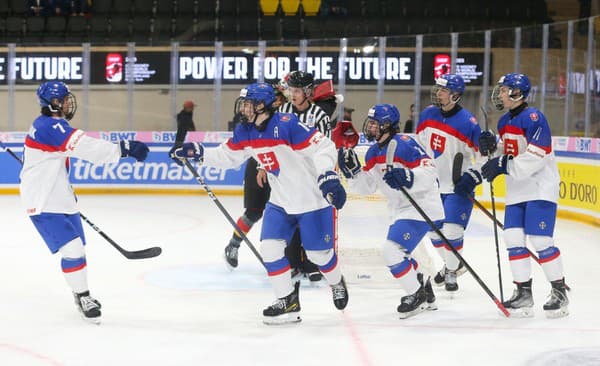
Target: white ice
{"points": [[185, 308]]}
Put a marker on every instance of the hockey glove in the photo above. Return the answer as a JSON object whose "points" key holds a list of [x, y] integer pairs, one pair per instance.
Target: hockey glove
{"points": [[135, 149], [399, 177], [487, 143], [495, 166], [333, 191], [348, 162], [189, 150], [467, 182]]}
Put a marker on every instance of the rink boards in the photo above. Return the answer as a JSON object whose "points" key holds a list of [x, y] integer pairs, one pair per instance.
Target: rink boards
{"points": [[578, 161]]}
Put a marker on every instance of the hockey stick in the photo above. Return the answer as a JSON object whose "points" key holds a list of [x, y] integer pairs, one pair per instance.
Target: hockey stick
{"points": [[389, 160], [135, 254], [456, 174], [214, 198]]}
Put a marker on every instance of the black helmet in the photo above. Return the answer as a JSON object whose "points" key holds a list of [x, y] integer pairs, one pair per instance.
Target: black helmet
{"points": [[300, 79]]}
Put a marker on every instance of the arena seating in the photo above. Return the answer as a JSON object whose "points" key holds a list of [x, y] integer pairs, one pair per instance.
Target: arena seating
{"points": [[162, 21]]}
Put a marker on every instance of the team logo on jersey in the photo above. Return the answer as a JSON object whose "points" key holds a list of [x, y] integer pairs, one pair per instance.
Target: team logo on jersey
{"points": [[534, 116], [269, 162], [473, 120], [284, 118], [327, 238], [437, 144], [405, 137], [511, 147], [406, 236], [542, 225]]}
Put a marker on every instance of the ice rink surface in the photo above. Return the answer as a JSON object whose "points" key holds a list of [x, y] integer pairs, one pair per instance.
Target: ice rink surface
{"points": [[186, 308]]}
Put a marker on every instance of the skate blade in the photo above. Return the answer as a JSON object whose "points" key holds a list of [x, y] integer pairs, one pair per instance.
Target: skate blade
{"points": [[95, 320], [409, 314], [288, 318], [432, 306], [559, 313], [519, 313]]}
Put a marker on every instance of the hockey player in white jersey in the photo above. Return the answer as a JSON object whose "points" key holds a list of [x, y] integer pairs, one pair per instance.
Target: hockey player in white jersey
{"points": [[526, 158], [414, 171], [305, 192], [46, 194], [446, 129]]}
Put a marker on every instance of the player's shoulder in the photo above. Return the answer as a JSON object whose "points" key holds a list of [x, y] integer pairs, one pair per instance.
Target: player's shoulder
{"points": [[532, 115]]}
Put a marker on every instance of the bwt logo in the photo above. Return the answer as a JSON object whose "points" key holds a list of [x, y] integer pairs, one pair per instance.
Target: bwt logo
{"points": [[583, 145], [163, 136], [115, 136]]}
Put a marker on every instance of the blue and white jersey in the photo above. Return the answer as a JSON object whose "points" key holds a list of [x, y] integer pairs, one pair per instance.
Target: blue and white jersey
{"points": [[409, 154], [293, 154], [444, 137], [533, 173], [45, 183]]}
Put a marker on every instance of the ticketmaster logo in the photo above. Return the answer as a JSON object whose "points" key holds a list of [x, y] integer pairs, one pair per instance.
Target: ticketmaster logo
{"points": [[133, 172]]}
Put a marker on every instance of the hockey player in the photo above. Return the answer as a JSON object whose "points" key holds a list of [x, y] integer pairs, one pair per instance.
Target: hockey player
{"points": [[300, 88], [45, 190], [256, 191], [305, 191], [414, 171], [445, 129], [532, 183]]}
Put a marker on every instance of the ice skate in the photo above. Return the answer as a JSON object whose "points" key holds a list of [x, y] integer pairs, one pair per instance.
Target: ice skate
{"points": [[231, 254], [88, 307], [411, 305], [439, 279], [556, 306], [284, 310], [521, 303], [450, 281], [340, 294], [431, 305]]}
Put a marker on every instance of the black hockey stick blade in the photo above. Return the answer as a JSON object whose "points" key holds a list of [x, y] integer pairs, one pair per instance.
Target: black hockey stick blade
{"points": [[129, 254], [457, 167]]}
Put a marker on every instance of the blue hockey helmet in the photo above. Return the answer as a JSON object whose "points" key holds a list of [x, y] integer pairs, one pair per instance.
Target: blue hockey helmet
{"points": [[386, 116], [452, 82], [518, 86], [56, 96], [259, 93]]}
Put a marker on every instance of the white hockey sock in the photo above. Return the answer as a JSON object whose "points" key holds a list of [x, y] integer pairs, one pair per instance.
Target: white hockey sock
{"points": [[452, 260], [409, 281], [282, 284], [520, 264], [74, 265], [553, 269]]}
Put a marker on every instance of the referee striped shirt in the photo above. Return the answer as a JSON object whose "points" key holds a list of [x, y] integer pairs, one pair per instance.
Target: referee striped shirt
{"points": [[313, 116]]}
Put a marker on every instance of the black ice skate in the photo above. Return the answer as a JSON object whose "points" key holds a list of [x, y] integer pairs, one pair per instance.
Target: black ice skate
{"points": [[521, 303], [231, 254], [440, 277], [450, 281], [431, 305], [284, 310], [88, 307], [339, 292], [556, 306], [411, 305]]}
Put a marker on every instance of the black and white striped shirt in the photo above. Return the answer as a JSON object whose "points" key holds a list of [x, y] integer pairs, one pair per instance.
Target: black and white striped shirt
{"points": [[313, 116]]}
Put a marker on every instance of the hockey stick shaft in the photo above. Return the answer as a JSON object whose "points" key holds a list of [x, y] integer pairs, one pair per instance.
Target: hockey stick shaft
{"points": [[389, 163], [214, 198], [456, 171], [137, 254]]}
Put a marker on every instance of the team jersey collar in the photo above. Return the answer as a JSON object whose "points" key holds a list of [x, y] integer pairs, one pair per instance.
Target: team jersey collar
{"points": [[263, 126], [451, 112], [516, 111]]}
